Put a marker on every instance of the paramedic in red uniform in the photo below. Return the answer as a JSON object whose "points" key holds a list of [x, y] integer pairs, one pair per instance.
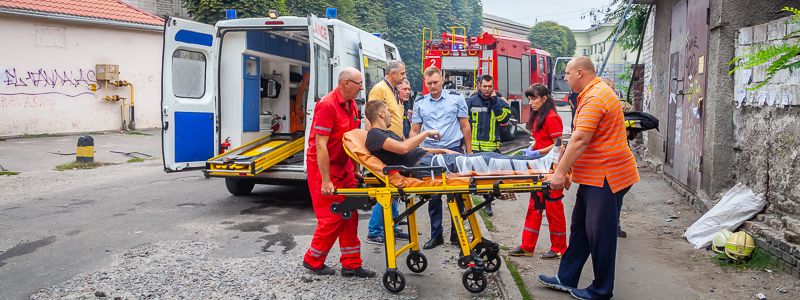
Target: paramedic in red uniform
{"points": [[547, 129], [329, 168]]}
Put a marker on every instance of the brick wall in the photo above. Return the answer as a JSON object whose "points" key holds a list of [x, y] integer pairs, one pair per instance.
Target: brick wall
{"points": [[767, 143]]}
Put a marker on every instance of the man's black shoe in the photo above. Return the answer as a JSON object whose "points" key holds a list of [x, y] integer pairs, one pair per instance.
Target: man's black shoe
{"points": [[433, 242], [454, 240], [401, 236], [325, 270], [621, 233], [360, 272], [376, 240], [488, 210]]}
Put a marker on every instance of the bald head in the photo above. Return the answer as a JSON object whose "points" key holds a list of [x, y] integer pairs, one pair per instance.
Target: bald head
{"points": [[350, 82], [349, 73], [579, 73]]}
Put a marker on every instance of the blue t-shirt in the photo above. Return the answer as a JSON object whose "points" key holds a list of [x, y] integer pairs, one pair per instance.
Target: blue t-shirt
{"points": [[441, 114]]}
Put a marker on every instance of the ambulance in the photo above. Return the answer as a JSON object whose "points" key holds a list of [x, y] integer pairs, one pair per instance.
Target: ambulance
{"points": [[238, 97]]}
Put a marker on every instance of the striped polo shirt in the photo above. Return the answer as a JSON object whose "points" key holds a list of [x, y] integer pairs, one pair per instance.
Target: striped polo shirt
{"points": [[607, 156]]}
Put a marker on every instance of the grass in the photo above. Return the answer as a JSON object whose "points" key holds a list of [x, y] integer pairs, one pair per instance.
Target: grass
{"points": [[136, 133], [512, 268], [761, 260], [135, 160], [79, 166], [8, 173]]}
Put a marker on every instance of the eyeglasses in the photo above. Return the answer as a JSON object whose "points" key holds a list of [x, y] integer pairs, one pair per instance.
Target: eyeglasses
{"points": [[360, 83]]}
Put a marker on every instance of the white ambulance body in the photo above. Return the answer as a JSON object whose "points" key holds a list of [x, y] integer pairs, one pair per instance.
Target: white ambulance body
{"points": [[253, 83]]}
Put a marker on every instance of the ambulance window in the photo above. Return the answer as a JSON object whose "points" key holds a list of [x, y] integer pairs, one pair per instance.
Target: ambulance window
{"points": [[188, 74], [323, 71], [374, 72]]}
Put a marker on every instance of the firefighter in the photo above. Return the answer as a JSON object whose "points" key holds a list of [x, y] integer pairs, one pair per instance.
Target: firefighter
{"points": [[487, 110], [329, 168]]}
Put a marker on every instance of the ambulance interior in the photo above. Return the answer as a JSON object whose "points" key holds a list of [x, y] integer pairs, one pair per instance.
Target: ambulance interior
{"points": [[264, 84]]}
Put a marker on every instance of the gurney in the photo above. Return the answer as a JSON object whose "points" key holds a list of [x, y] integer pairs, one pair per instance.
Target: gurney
{"points": [[478, 254]]}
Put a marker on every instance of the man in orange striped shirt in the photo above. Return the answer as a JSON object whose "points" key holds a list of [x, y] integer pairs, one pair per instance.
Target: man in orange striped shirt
{"points": [[605, 168]]}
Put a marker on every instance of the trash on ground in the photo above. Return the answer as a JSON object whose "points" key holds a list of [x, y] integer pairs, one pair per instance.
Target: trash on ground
{"points": [[739, 204]]}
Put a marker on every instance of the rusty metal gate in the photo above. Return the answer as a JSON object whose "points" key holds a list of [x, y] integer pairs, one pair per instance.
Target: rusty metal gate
{"points": [[685, 116]]}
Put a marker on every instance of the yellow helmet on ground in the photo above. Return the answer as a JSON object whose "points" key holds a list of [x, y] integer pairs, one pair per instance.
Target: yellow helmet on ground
{"points": [[719, 240], [740, 246]]}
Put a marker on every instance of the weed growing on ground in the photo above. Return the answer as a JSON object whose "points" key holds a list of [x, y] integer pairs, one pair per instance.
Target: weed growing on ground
{"points": [[512, 268], [8, 173], [137, 133], [486, 220], [135, 160], [762, 260], [79, 166]]}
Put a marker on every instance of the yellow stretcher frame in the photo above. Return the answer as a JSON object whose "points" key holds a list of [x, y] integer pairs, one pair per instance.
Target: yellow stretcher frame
{"points": [[255, 161], [471, 249]]}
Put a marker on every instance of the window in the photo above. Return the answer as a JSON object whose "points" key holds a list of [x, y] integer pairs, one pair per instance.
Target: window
{"points": [[322, 70], [373, 73], [514, 76], [188, 74], [502, 75], [526, 76]]}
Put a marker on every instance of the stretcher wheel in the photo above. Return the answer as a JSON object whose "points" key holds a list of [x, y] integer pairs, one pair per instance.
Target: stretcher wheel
{"points": [[416, 262], [394, 281], [474, 281], [493, 262], [463, 262], [346, 214]]}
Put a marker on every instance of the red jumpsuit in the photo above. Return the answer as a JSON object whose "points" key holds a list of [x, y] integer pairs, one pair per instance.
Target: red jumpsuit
{"points": [[333, 116], [552, 128]]}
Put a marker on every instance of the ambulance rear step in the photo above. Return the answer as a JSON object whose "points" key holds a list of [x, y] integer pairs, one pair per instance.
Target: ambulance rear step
{"points": [[255, 157]]}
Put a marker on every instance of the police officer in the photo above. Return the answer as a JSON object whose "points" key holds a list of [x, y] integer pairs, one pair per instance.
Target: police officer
{"points": [[487, 110], [446, 113], [329, 168]]}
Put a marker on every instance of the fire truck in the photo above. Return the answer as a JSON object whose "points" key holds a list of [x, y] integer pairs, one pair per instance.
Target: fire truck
{"points": [[512, 62]]}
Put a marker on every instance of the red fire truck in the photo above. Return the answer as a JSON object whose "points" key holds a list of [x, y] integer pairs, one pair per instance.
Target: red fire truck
{"points": [[511, 61]]}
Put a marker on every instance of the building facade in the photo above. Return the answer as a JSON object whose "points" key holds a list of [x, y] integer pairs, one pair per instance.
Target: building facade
{"points": [[494, 24], [594, 43]]}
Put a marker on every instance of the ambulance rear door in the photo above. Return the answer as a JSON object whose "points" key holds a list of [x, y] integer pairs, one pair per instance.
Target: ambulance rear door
{"points": [[189, 94], [320, 82]]}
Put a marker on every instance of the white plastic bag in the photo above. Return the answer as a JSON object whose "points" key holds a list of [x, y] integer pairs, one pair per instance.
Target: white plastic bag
{"points": [[739, 204]]}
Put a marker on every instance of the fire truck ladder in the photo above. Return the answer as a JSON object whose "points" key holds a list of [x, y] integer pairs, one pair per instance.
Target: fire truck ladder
{"points": [[453, 36], [430, 37], [479, 66], [257, 156]]}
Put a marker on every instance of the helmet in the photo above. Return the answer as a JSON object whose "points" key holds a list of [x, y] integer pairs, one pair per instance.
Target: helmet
{"points": [[719, 240], [740, 246]]}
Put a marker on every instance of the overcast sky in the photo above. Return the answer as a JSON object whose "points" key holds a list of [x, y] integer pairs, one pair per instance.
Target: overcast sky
{"points": [[565, 12]]}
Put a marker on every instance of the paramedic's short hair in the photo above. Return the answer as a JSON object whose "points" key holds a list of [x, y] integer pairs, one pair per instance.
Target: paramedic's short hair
{"points": [[432, 70], [405, 81], [373, 108], [486, 78], [394, 66]]}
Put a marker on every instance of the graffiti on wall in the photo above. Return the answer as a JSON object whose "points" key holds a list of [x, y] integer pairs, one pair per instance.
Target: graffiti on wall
{"points": [[45, 81]]}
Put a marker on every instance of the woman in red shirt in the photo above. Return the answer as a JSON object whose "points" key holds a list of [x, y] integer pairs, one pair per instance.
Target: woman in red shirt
{"points": [[547, 129]]}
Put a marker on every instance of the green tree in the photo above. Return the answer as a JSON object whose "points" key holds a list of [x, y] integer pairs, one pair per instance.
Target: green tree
{"points": [[552, 37], [370, 15], [302, 8], [631, 31], [211, 11], [405, 31]]}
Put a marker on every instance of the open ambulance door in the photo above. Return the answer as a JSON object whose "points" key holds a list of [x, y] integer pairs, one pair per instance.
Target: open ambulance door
{"points": [[189, 94], [321, 79]]}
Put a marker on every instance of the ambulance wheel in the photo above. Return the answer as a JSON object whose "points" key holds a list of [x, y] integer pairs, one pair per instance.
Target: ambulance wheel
{"points": [[416, 262], [394, 281], [239, 187], [474, 281], [493, 262]]}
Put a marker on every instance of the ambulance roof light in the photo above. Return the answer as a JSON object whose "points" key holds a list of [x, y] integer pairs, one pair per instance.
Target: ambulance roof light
{"points": [[331, 13], [230, 14]]}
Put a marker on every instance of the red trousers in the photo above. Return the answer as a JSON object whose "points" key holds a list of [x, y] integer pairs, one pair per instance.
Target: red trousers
{"points": [[556, 220], [330, 226]]}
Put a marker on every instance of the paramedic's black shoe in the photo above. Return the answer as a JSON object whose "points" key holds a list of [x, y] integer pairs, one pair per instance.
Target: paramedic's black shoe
{"points": [[376, 240], [519, 252], [360, 273], [325, 270], [550, 255], [433, 242], [621, 233], [488, 210]]}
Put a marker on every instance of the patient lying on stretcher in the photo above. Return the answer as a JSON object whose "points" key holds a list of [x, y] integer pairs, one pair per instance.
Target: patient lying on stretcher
{"points": [[392, 150]]}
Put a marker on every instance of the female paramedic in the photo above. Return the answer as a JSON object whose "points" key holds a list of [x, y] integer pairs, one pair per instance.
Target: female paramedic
{"points": [[546, 127]]}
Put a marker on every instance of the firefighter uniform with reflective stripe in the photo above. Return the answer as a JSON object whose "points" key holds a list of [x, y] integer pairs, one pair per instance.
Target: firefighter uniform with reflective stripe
{"points": [[333, 116], [485, 116]]}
